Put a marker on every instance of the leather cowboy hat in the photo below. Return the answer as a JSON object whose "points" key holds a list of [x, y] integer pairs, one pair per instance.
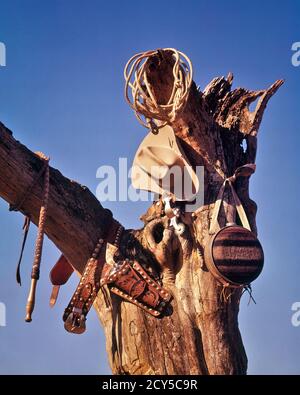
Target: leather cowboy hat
{"points": [[160, 166]]}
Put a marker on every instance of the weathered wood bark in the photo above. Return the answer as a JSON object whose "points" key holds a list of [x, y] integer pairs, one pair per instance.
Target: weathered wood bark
{"points": [[201, 336]]}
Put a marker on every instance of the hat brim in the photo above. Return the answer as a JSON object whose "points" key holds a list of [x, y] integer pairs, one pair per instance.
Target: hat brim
{"points": [[160, 166]]}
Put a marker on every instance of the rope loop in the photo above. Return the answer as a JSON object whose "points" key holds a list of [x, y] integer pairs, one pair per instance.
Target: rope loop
{"points": [[142, 100]]}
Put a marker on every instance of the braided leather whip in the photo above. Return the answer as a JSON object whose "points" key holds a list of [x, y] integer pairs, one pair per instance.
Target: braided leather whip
{"points": [[35, 274]]}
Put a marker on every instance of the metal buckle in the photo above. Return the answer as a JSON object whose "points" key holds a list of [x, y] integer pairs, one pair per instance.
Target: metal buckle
{"points": [[75, 323]]}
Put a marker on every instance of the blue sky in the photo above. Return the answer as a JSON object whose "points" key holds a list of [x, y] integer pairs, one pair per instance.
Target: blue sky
{"points": [[62, 93]]}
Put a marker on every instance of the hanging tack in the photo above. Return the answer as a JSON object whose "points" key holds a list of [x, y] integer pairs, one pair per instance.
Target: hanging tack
{"points": [[142, 100], [35, 274]]}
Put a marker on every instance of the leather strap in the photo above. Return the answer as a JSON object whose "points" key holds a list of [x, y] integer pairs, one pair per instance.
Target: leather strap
{"points": [[132, 283], [89, 284], [61, 271], [35, 273], [59, 275], [242, 171], [25, 234], [83, 298], [19, 204], [54, 295]]}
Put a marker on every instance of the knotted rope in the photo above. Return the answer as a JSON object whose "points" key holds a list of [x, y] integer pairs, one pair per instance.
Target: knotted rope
{"points": [[143, 101]]}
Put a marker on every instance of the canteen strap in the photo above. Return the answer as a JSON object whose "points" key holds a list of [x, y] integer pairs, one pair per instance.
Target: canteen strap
{"points": [[239, 208], [214, 226]]}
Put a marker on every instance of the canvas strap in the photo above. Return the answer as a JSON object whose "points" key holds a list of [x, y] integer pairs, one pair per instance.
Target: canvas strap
{"points": [[242, 171]]}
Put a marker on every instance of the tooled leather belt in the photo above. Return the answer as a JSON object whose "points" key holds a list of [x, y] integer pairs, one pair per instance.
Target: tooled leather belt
{"points": [[132, 283], [124, 277]]}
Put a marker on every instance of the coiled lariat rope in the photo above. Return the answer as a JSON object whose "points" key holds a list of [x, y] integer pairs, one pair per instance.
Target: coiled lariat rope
{"points": [[143, 102]]}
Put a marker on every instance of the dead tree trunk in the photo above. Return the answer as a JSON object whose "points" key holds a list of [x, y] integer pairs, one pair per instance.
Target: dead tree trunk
{"points": [[201, 336]]}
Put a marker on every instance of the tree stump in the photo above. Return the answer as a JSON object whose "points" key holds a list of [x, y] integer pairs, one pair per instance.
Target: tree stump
{"points": [[201, 336]]}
